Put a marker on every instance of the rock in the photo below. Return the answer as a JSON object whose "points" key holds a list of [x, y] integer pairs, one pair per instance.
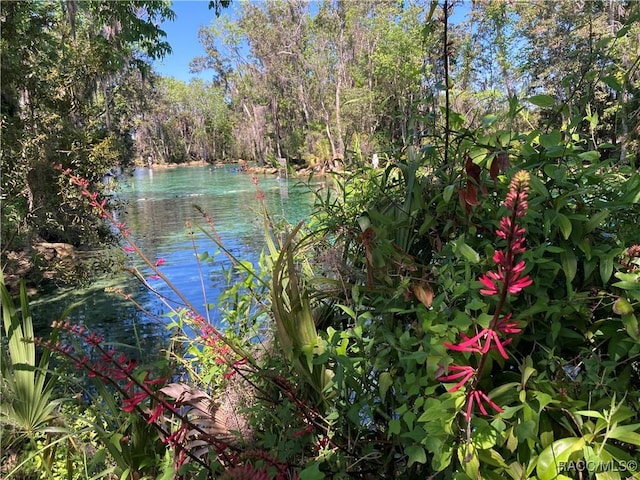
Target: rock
{"points": [[60, 251], [47, 261]]}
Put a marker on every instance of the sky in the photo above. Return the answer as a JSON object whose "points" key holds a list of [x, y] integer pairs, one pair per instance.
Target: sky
{"points": [[182, 34]]}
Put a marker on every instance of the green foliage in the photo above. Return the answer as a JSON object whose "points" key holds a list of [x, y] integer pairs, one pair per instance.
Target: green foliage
{"points": [[78, 454], [73, 80], [27, 405], [183, 122], [420, 260], [38, 441], [343, 335]]}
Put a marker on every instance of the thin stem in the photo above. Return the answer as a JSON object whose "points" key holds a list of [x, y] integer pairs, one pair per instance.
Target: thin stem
{"points": [[445, 58], [200, 275]]}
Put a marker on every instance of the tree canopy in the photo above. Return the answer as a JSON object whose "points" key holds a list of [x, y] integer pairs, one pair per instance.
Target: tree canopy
{"points": [[321, 80], [75, 76]]}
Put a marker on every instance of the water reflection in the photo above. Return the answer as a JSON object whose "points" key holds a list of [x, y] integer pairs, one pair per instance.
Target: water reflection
{"points": [[117, 319], [156, 206]]}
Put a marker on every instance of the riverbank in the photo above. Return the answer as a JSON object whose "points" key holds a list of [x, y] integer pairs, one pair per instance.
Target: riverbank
{"points": [[45, 262], [302, 171]]}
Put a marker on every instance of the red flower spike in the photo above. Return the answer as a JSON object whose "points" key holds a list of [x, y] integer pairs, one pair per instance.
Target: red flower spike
{"points": [[506, 279], [491, 287], [471, 397], [505, 325], [478, 397], [155, 414], [481, 396], [473, 344], [517, 286]]}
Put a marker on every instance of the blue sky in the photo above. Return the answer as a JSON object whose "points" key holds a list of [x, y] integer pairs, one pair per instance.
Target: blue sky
{"points": [[182, 34]]}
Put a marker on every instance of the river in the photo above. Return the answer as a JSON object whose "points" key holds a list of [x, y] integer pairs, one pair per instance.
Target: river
{"points": [[157, 204]]}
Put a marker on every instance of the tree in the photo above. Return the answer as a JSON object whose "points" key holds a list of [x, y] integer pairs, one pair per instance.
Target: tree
{"points": [[585, 56], [67, 99], [183, 121]]}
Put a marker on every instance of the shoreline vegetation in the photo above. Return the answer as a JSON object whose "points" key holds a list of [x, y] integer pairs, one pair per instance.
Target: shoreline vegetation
{"points": [[245, 167]]}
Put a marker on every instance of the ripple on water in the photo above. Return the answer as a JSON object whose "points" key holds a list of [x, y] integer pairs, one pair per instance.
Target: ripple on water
{"points": [[157, 206]]}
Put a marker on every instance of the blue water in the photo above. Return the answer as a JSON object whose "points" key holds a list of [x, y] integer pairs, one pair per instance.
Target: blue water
{"points": [[156, 205]]}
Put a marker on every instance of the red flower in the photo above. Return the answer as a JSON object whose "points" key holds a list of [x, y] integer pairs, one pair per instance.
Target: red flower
{"points": [[156, 413], [129, 404], [474, 344], [506, 279], [505, 325], [478, 397], [160, 262], [494, 282], [516, 286], [462, 371]]}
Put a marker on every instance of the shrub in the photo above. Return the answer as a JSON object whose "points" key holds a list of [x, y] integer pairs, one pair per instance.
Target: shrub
{"points": [[451, 319]]}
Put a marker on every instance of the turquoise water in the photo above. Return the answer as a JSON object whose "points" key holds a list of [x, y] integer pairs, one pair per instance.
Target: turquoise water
{"points": [[157, 204]]}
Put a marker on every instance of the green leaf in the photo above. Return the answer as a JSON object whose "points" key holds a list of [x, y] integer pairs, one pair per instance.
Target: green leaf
{"points": [[312, 472], [631, 325], [590, 156], [442, 452], [416, 454], [489, 120], [543, 101], [622, 306], [348, 310], [394, 427], [595, 220], [538, 187], [447, 193], [569, 264], [504, 388], [553, 139], [623, 31], [484, 436], [468, 457], [464, 250], [606, 268], [565, 225], [551, 459], [590, 413], [626, 433], [627, 285], [409, 418], [526, 430]]}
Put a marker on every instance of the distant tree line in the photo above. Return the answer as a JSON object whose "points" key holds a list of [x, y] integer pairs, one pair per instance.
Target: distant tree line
{"points": [[319, 81]]}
